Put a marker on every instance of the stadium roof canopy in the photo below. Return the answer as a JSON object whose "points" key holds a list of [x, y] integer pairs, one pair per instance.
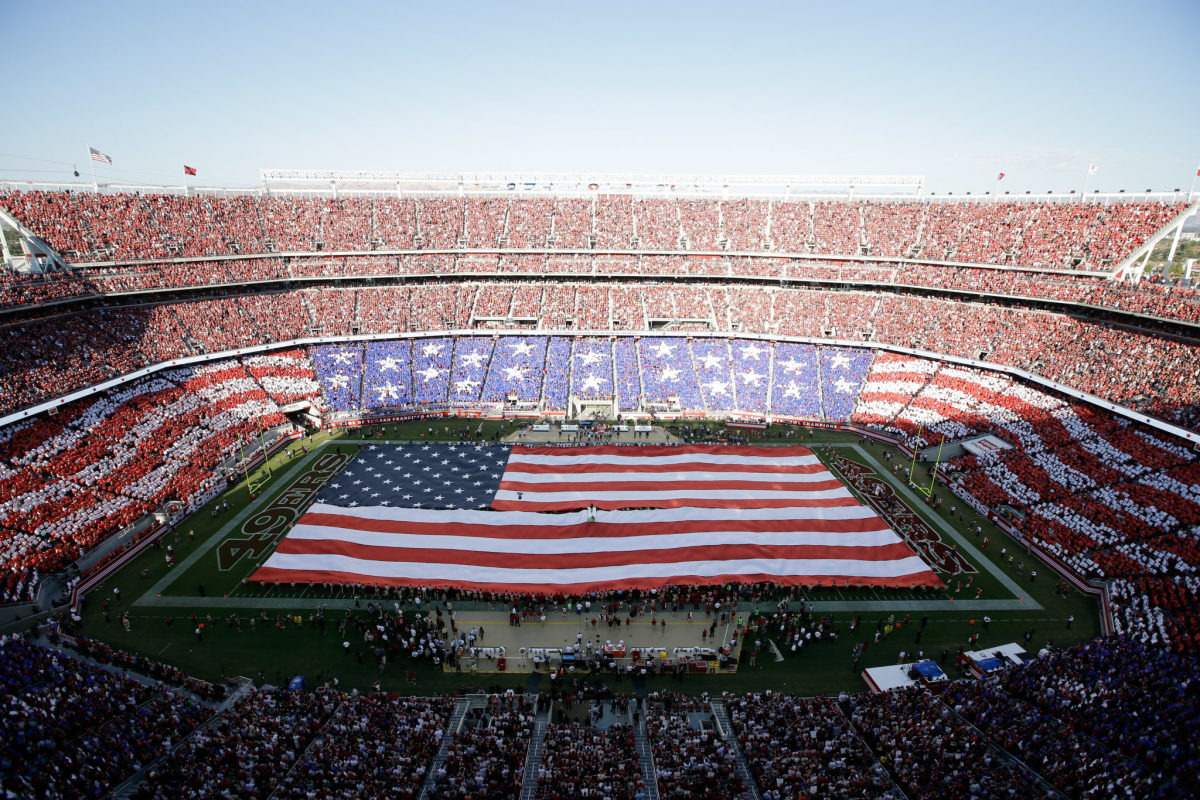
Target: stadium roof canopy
{"points": [[586, 183]]}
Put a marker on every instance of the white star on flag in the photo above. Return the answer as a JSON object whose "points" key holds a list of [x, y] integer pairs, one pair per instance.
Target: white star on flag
{"points": [[341, 358], [465, 385], [751, 352], [389, 363], [791, 365], [664, 350], [711, 361], [514, 373], [474, 359], [589, 358], [429, 373], [522, 348], [844, 386], [592, 383], [389, 390], [840, 361], [751, 378], [718, 387], [792, 390], [339, 381], [669, 374], [431, 349]]}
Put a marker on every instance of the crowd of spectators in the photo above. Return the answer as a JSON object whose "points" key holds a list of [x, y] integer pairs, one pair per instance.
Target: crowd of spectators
{"points": [[373, 745], [804, 747], [486, 759], [1114, 717], [74, 730], [70, 481], [1072, 761], [1109, 498], [246, 752], [690, 759], [1154, 374], [581, 761], [1055, 235], [932, 753]]}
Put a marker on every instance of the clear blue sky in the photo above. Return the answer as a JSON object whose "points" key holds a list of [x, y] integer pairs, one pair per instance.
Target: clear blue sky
{"points": [[957, 91]]}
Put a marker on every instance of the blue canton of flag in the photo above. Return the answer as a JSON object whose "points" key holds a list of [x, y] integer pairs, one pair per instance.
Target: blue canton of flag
{"points": [[419, 476]]}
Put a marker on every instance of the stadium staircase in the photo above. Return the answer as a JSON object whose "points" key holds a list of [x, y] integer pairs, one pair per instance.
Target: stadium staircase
{"points": [[131, 784], [637, 360], [725, 731], [842, 706], [315, 742], [820, 391], [692, 360], [646, 757], [1004, 754], [533, 758], [461, 707]]}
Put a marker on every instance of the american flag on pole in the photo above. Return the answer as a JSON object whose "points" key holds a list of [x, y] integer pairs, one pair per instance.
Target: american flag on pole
{"points": [[98, 156], [680, 515]]}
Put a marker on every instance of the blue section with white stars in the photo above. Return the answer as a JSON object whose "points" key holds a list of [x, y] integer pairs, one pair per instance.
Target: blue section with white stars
{"points": [[419, 476]]}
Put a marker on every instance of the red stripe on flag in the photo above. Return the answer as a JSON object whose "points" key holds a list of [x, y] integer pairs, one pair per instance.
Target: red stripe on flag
{"points": [[590, 529], [272, 575], [684, 502], [620, 558]]}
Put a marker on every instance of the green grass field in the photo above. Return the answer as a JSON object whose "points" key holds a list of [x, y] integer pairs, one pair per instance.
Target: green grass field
{"points": [[208, 581]]}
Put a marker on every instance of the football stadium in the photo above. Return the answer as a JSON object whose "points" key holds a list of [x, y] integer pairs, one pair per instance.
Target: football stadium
{"points": [[618, 484]]}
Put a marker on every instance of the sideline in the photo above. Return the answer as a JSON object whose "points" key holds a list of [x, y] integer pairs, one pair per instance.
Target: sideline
{"points": [[174, 574]]}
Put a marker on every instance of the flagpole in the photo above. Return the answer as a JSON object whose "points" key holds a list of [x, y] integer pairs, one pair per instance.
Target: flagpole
{"points": [[1086, 179], [1192, 190], [92, 166]]}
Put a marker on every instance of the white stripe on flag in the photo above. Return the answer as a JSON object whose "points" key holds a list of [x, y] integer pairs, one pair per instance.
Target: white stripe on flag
{"points": [[634, 498], [468, 573], [595, 544]]}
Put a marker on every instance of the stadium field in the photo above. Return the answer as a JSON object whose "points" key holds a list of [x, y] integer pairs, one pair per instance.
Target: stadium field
{"points": [[217, 548]]}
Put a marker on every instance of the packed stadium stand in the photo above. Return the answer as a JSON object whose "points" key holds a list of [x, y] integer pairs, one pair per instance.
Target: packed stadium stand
{"points": [[171, 332], [1053, 727]]}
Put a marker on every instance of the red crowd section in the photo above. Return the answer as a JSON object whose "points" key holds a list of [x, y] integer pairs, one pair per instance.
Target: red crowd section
{"points": [[1158, 375], [87, 226]]}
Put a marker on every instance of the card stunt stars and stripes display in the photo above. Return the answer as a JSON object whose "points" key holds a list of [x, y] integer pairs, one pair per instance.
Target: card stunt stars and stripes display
{"points": [[643, 517]]}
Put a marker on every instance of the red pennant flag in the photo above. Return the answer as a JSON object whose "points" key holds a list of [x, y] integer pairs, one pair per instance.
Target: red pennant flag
{"points": [[1000, 177], [188, 170]]}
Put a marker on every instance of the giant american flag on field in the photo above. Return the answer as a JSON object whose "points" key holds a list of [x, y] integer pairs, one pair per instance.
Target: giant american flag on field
{"points": [[633, 517]]}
